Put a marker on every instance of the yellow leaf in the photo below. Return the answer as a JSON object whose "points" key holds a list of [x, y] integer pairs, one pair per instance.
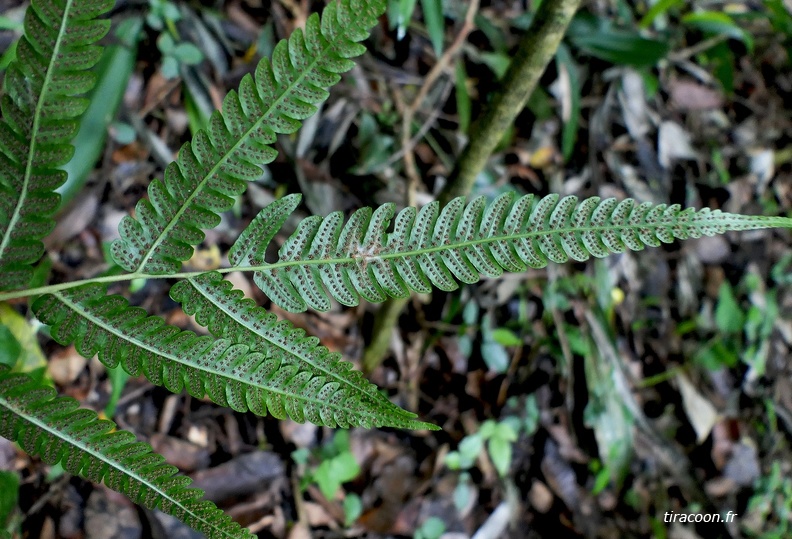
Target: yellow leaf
{"points": [[31, 357]]}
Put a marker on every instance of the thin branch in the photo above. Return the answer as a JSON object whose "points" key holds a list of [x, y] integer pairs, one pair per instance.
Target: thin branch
{"points": [[534, 52]]}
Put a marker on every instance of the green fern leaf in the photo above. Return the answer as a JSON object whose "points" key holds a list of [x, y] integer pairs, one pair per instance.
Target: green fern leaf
{"points": [[58, 430], [459, 244], [229, 315], [213, 169], [39, 119], [229, 373]]}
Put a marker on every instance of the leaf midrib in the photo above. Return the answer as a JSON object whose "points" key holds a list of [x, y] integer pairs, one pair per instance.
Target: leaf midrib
{"points": [[302, 74], [55, 433], [37, 117]]}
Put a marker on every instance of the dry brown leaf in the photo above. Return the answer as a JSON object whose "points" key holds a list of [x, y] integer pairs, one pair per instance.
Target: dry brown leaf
{"points": [[66, 365], [688, 95], [700, 411]]}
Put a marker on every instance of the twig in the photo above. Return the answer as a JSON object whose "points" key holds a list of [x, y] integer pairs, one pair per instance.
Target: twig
{"points": [[534, 52], [409, 112]]}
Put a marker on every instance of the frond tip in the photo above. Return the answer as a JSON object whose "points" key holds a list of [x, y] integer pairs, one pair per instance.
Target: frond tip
{"points": [[58, 430], [430, 247]]}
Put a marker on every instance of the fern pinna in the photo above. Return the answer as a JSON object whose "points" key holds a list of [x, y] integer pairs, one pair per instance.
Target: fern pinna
{"points": [[211, 170], [59, 431], [40, 109], [438, 247]]}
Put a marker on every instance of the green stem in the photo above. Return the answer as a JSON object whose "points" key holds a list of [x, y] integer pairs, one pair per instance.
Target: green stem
{"points": [[385, 321], [534, 52]]}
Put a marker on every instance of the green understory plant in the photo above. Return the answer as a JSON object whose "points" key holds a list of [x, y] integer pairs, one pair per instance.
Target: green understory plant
{"points": [[337, 465], [251, 361]]}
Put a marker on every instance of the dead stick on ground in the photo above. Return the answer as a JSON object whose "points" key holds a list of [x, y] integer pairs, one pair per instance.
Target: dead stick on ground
{"points": [[409, 112]]}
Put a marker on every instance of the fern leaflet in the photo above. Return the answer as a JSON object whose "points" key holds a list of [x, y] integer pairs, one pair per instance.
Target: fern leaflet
{"points": [[59, 431], [229, 373], [40, 108], [229, 315], [214, 167], [460, 243]]}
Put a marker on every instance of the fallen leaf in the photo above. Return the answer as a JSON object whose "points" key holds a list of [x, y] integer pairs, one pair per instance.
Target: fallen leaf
{"points": [[699, 410], [673, 143], [687, 95]]}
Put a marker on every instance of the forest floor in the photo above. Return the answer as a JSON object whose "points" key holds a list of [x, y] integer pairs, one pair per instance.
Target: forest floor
{"points": [[615, 398]]}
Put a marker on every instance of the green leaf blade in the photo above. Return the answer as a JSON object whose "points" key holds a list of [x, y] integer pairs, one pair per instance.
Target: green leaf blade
{"points": [[56, 429], [39, 111], [215, 167]]}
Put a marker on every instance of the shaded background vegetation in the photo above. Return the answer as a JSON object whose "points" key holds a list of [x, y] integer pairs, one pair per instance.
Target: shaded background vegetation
{"points": [[583, 400]]}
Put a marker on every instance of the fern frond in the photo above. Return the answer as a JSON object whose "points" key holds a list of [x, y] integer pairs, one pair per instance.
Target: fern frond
{"points": [[57, 430], [229, 315], [229, 373], [40, 108], [213, 169], [460, 243]]}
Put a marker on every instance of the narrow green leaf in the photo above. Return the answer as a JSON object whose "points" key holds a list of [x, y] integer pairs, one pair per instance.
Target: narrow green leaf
{"points": [[435, 24], [659, 8], [463, 101], [58, 431], [571, 116], [112, 74], [399, 14], [598, 38], [719, 23]]}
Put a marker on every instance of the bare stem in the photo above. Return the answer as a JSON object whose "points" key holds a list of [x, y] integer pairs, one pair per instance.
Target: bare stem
{"points": [[534, 52]]}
